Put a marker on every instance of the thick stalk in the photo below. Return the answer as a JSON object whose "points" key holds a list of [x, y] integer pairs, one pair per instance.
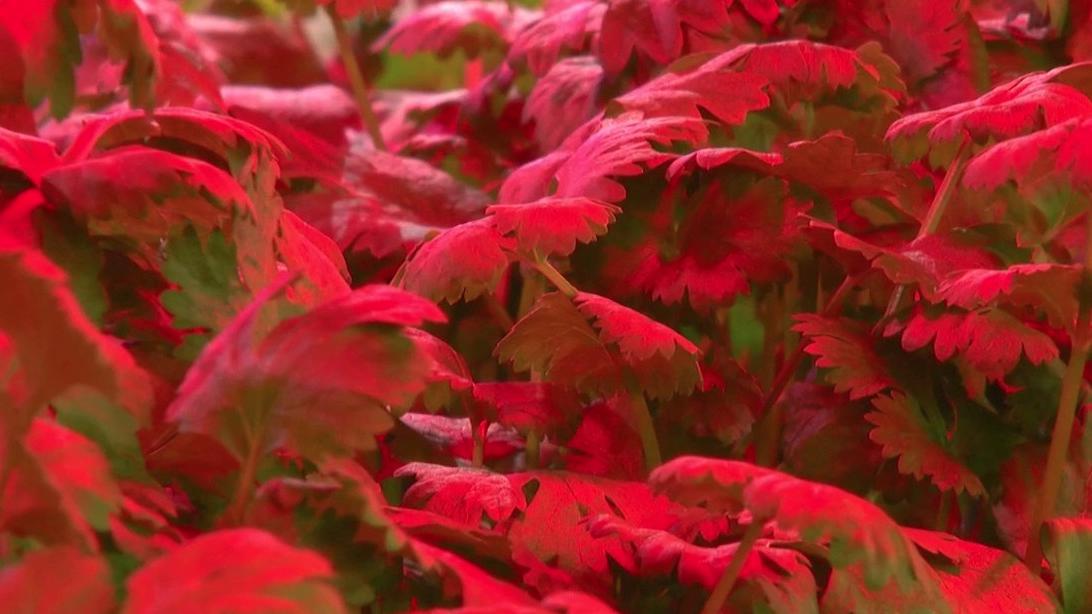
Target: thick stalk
{"points": [[1060, 439], [944, 512], [767, 442], [498, 312], [715, 603], [240, 501], [642, 419], [477, 433], [531, 449], [533, 287], [556, 278], [356, 78], [1072, 385]]}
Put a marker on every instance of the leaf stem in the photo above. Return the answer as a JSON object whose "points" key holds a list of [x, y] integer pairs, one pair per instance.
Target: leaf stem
{"points": [[556, 278], [356, 78], [477, 433], [1060, 439], [240, 501], [929, 225], [1072, 385], [767, 442], [715, 603], [531, 448], [650, 445], [498, 312]]}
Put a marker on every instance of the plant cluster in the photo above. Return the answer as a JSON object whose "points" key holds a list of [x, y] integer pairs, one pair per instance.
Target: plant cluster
{"points": [[545, 306]]}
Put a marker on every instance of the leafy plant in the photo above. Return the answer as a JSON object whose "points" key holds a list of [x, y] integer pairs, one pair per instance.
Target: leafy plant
{"points": [[545, 306]]}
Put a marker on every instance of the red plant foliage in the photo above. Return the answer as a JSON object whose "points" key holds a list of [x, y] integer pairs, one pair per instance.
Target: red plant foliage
{"points": [[545, 306]]}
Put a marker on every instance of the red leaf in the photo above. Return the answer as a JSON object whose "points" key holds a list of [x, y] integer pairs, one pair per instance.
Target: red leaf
{"points": [[984, 579], [552, 226], [467, 496], [258, 50], [856, 530], [1049, 288], [542, 41], [991, 340], [57, 345], [59, 580], [28, 155], [680, 93], [845, 347], [462, 262], [528, 406], [563, 99], [59, 488], [237, 569], [549, 525], [606, 444], [777, 578], [554, 338], [303, 248], [1031, 102], [904, 432], [323, 380], [618, 147], [441, 28], [1056, 153]]}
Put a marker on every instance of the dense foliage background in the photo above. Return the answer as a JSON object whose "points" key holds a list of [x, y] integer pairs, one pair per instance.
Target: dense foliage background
{"points": [[561, 306]]}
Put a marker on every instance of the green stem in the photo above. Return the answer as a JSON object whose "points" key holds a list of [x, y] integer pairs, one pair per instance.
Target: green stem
{"points": [[1072, 386], [240, 501], [945, 510], [768, 440], [533, 287], [531, 448], [645, 430], [498, 312], [929, 225], [356, 78], [1060, 439], [477, 433], [556, 278], [715, 603]]}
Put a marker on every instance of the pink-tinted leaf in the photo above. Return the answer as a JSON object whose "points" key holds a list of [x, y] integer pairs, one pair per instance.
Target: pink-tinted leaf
{"points": [[777, 578], [619, 147], [555, 338], [543, 40], [528, 406], [59, 580], [563, 99], [855, 530], [58, 487], [1031, 102], [844, 347], [311, 377], [1048, 288], [467, 496], [441, 28], [681, 93], [1058, 152], [234, 570], [553, 226], [462, 262], [904, 432], [985, 579], [991, 340], [28, 155], [57, 345]]}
